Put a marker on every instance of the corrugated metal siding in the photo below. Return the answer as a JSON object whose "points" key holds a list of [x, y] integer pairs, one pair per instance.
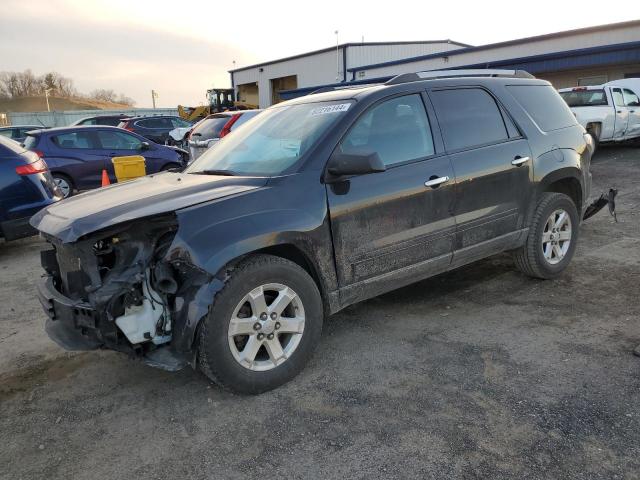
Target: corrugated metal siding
{"points": [[358, 55], [64, 118], [572, 42]]}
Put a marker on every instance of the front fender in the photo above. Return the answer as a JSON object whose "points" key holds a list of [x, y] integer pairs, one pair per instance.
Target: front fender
{"points": [[212, 236]]}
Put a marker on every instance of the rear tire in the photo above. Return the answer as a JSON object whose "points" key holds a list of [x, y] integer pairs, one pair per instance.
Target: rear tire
{"points": [[64, 183], [263, 326], [552, 239]]}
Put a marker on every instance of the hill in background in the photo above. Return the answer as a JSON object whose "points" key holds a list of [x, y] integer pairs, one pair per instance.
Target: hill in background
{"points": [[39, 104]]}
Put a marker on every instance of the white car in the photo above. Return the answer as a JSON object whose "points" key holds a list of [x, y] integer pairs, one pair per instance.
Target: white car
{"points": [[609, 112]]}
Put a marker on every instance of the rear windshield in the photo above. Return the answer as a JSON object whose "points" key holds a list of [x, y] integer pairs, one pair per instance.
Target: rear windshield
{"points": [[584, 98], [30, 142], [544, 106], [210, 127]]}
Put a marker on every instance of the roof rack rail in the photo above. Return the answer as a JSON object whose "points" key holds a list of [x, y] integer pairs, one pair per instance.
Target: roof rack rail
{"points": [[343, 87], [478, 72]]}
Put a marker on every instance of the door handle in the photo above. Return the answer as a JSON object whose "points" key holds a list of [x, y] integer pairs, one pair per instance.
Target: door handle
{"points": [[434, 182], [632, 111], [519, 161]]}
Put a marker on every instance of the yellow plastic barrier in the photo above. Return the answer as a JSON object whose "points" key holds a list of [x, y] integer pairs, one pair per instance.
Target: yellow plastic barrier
{"points": [[129, 167]]}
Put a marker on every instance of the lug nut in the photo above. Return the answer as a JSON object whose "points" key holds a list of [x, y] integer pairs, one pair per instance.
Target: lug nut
{"points": [[260, 336], [273, 315], [257, 326], [277, 325], [263, 316], [270, 336]]}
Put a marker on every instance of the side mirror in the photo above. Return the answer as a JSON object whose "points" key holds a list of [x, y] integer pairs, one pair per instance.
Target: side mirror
{"points": [[145, 146], [356, 163]]}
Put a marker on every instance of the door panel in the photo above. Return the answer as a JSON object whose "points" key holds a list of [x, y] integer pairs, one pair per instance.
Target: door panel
{"points": [[492, 193], [632, 102], [492, 165], [387, 221], [622, 114], [389, 228]]}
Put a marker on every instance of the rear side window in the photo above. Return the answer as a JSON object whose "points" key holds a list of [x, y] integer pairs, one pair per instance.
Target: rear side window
{"points": [[617, 96], [5, 133], [584, 98], [75, 140], [113, 122], [544, 105], [468, 117], [244, 118], [397, 129], [155, 123], [210, 127], [179, 123], [630, 98], [118, 140]]}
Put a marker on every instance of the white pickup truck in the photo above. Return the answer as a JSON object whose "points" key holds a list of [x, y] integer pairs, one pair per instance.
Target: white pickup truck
{"points": [[609, 112]]}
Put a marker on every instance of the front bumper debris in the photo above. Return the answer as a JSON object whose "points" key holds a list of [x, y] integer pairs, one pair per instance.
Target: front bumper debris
{"points": [[605, 199]]}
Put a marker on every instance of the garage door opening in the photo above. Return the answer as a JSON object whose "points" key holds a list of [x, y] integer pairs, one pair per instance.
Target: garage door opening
{"points": [[282, 83], [248, 93]]}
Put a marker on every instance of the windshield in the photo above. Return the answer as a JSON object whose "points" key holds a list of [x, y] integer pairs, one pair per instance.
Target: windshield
{"points": [[272, 142], [584, 98]]}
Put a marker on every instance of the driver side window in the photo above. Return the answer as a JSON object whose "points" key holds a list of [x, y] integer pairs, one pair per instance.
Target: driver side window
{"points": [[397, 129]]}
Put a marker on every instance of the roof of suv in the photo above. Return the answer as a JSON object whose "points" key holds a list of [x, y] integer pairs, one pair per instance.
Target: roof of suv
{"points": [[359, 91], [71, 128]]}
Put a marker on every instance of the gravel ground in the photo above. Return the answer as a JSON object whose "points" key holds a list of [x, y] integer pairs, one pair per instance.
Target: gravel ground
{"points": [[479, 373]]}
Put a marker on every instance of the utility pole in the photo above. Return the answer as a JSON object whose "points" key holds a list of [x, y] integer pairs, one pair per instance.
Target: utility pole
{"points": [[337, 58], [154, 95], [46, 96]]}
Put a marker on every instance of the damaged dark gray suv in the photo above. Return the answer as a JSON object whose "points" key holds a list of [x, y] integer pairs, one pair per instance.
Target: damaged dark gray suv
{"points": [[318, 203]]}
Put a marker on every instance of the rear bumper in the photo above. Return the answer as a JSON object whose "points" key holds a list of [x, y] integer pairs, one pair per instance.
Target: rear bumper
{"points": [[17, 228]]}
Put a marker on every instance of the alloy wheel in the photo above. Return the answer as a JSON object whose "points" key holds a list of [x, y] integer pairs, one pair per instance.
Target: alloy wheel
{"points": [[266, 327], [556, 237], [63, 185]]}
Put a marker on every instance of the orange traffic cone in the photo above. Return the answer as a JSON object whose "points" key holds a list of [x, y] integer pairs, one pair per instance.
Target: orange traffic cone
{"points": [[105, 178]]}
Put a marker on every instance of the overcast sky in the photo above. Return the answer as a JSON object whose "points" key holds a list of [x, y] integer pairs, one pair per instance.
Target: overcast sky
{"points": [[181, 48]]}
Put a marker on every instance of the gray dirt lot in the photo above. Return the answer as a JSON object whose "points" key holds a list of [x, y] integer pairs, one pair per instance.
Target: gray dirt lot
{"points": [[479, 373]]}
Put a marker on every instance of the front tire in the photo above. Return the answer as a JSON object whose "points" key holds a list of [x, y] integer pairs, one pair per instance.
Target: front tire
{"points": [[263, 326], [552, 238]]}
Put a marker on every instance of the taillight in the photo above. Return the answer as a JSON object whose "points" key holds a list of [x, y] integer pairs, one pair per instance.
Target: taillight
{"points": [[40, 153], [30, 168], [227, 127], [128, 126]]}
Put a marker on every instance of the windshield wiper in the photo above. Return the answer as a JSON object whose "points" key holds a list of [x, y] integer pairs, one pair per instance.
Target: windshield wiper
{"points": [[227, 173]]}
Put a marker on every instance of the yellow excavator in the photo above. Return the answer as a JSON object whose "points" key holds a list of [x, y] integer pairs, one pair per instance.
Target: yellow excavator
{"points": [[220, 100]]}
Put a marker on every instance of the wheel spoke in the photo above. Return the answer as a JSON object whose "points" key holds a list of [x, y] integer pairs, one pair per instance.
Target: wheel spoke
{"points": [[242, 326], [282, 301], [291, 325], [561, 219], [558, 251], [276, 354], [257, 301], [248, 354], [546, 237]]}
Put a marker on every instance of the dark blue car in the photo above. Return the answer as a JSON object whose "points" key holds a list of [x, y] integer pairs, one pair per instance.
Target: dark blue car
{"points": [[26, 186], [77, 155]]}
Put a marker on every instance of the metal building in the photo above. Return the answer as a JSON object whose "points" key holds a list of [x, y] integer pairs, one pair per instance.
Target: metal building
{"points": [[263, 83], [587, 56]]}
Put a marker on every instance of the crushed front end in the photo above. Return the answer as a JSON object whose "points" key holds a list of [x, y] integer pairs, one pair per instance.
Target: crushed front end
{"points": [[116, 289]]}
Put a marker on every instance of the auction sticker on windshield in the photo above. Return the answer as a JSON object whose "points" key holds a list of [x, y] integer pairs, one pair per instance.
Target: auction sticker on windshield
{"points": [[341, 107]]}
